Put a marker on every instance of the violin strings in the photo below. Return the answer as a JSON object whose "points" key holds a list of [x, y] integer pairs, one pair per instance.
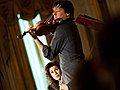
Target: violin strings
{"points": [[48, 19]]}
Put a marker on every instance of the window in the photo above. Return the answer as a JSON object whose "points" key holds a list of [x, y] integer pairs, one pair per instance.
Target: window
{"points": [[35, 56]]}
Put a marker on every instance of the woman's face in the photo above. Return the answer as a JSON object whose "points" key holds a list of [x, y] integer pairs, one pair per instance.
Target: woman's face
{"points": [[60, 13], [55, 72]]}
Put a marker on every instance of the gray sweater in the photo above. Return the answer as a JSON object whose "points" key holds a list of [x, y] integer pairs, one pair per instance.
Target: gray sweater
{"points": [[66, 42]]}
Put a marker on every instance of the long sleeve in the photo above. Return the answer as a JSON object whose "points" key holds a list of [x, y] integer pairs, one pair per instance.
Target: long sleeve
{"points": [[67, 43], [57, 44]]}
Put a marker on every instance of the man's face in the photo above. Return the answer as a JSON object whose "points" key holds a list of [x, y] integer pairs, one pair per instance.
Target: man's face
{"points": [[55, 72], [60, 13]]}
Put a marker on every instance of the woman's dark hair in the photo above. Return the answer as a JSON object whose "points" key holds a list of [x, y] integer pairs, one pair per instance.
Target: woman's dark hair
{"points": [[67, 6], [54, 83]]}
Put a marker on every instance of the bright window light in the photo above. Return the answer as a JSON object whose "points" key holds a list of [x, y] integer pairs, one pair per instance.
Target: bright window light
{"points": [[36, 63]]}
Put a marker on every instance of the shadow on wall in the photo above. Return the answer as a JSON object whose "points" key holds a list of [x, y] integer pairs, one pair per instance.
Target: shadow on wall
{"points": [[103, 74]]}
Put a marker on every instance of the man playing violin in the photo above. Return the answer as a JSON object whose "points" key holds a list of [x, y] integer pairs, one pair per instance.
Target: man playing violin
{"points": [[66, 42]]}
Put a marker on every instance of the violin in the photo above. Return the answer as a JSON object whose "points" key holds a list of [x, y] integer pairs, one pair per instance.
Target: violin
{"points": [[44, 28]]}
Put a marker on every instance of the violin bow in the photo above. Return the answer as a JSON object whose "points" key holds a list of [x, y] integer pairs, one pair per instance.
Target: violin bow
{"points": [[48, 19]]}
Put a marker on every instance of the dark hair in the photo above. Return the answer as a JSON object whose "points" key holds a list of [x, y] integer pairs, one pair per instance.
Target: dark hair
{"points": [[67, 6], [54, 83]]}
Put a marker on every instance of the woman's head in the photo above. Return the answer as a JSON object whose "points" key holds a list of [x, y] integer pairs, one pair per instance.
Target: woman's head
{"points": [[53, 73], [53, 70], [65, 11]]}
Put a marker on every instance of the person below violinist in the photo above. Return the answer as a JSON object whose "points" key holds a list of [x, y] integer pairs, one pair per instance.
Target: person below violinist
{"points": [[53, 73], [66, 41]]}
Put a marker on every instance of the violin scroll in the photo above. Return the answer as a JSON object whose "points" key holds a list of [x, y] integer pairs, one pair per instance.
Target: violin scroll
{"points": [[21, 36]]}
